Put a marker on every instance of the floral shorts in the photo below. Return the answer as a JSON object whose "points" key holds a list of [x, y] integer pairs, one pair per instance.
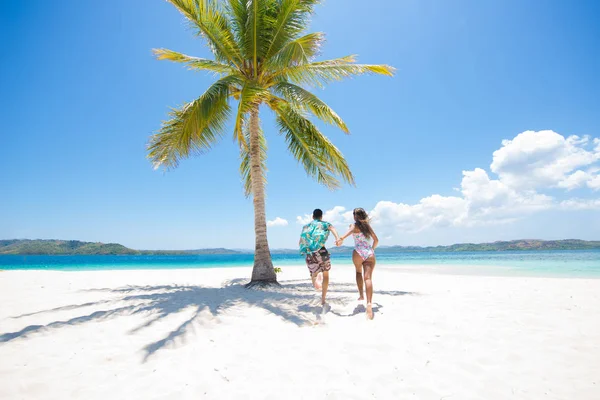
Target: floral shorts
{"points": [[318, 261]]}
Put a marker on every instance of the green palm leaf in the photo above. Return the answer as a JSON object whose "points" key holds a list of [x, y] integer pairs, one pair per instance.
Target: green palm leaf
{"points": [[319, 157], [298, 51], [211, 22], [304, 99], [193, 128], [249, 96], [323, 72], [259, 28], [194, 63], [238, 14], [291, 19]]}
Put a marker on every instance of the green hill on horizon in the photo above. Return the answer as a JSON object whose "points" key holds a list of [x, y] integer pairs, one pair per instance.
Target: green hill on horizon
{"points": [[58, 247], [76, 247], [511, 245]]}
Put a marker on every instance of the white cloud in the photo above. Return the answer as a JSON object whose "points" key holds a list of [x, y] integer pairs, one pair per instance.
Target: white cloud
{"points": [[594, 182], [303, 220], [580, 204], [277, 222], [484, 201], [544, 159], [525, 166], [431, 211], [576, 180], [338, 216], [491, 200]]}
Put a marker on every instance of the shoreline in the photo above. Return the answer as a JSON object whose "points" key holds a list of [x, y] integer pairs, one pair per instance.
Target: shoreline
{"points": [[498, 271]]}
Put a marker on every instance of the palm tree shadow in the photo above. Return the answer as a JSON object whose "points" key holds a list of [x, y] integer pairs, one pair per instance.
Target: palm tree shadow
{"points": [[293, 302]]}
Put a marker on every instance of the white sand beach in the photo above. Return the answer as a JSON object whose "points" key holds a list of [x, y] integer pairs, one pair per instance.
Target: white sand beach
{"points": [[189, 334]]}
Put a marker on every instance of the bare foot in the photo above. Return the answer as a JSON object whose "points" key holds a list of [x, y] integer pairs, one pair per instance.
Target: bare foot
{"points": [[369, 311], [361, 298], [317, 283]]}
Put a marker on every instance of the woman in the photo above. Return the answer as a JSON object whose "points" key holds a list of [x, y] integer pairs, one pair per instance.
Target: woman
{"points": [[363, 255]]}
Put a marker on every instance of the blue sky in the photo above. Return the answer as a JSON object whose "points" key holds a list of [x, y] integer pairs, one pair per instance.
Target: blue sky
{"points": [[495, 89]]}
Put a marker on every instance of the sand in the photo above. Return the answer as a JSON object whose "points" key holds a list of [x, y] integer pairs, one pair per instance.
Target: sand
{"points": [[193, 334]]}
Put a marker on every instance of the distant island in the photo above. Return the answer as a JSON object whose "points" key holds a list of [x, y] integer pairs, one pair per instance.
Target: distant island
{"points": [[511, 245], [76, 247]]}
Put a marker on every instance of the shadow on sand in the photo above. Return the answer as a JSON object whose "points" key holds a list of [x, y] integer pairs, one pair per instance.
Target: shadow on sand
{"points": [[295, 302]]}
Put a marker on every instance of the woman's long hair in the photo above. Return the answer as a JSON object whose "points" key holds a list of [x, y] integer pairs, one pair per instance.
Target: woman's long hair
{"points": [[361, 220]]}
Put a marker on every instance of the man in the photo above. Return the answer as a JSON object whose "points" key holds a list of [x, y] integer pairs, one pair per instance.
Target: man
{"points": [[312, 246]]}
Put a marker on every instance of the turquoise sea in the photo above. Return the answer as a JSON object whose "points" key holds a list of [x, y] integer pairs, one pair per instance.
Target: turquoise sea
{"points": [[573, 263]]}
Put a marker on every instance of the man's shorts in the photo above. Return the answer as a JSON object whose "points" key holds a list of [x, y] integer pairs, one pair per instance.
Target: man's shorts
{"points": [[318, 261]]}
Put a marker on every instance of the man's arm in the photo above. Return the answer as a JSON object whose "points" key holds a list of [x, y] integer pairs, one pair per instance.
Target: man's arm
{"points": [[332, 229], [341, 239]]}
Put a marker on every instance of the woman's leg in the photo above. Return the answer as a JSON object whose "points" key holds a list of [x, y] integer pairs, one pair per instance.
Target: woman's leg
{"points": [[358, 261], [369, 266]]}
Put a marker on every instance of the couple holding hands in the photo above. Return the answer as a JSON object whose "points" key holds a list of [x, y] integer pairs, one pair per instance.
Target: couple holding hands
{"points": [[312, 246]]}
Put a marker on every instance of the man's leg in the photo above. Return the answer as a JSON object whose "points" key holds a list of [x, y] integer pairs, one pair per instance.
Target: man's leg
{"points": [[312, 262], [317, 280], [357, 260], [325, 285]]}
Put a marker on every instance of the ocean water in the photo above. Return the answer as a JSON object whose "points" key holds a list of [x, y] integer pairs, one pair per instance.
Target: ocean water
{"points": [[573, 263]]}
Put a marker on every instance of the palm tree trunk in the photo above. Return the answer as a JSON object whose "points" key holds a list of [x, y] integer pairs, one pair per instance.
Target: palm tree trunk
{"points": [[263, 272]]}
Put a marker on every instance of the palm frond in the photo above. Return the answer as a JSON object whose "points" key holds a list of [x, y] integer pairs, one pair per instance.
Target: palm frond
{"points": [[260, 16], [238, 15], [245, 159], [319, 157], [193, 128], [193, 63], [211, 22], [248, 97], [302, 98], [291, 19], [299, 51], [322, 72]]}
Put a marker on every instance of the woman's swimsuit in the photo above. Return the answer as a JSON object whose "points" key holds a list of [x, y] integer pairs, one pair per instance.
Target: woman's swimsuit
{"points": [[362, 246]]}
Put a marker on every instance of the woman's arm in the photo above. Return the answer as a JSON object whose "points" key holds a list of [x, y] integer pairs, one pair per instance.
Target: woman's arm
{"points": [[375, 240], [345, 235], [338, 240]]}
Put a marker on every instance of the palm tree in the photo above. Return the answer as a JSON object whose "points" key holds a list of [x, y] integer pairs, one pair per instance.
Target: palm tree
{"points": [[262, 56]]}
